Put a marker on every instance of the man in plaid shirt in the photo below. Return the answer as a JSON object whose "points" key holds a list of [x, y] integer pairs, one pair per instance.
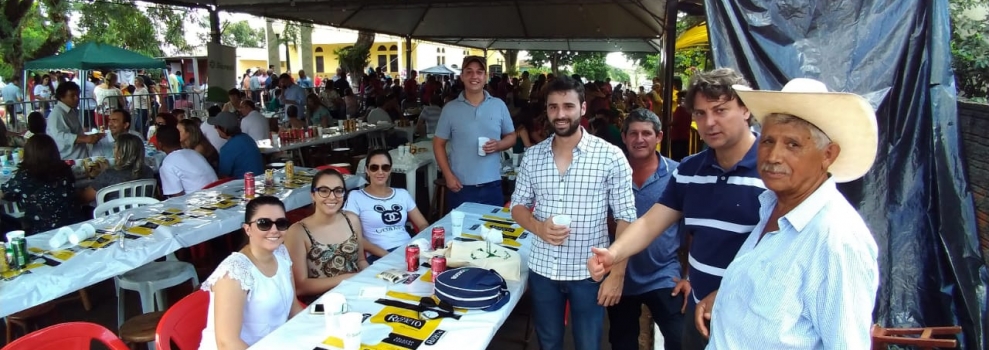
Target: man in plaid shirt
{"points": [[575, 174]]}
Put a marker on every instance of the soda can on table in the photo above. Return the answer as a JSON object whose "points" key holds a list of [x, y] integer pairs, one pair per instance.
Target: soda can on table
{"points": [[438, 237], [412, 257], [4, 267], [437, 264], [249, 184], [289, 170], [22, 254]]}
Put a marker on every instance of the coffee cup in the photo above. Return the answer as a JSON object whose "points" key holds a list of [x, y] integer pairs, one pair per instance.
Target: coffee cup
{"points": [[480, 145]]}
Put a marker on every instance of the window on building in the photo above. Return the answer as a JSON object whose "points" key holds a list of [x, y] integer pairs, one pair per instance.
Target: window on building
{"points": [[320, 67], [393, 48], [383, 61], [394, 63], [382, 48]]}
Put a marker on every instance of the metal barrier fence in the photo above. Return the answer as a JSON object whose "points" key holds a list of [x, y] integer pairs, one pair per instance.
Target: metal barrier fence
{"points": [[92, 114]]}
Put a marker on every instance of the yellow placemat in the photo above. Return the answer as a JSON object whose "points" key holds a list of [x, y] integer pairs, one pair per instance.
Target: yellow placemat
{"points": [[505, 241], [98, 241], [62, 255], [165, 220], [409, 331]]}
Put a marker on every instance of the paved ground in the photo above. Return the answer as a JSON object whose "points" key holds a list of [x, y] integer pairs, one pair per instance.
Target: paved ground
{"points": [[104, 312]]}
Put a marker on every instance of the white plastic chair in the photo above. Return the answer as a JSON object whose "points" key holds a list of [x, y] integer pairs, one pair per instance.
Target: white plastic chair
{"points": [[119, 205], [152, 278], [136, 188], [13, 209]]}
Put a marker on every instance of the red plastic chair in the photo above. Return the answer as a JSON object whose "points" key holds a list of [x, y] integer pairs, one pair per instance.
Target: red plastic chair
{"points": [[218, 182], [68, 336], [339, 169], [183, 323]]}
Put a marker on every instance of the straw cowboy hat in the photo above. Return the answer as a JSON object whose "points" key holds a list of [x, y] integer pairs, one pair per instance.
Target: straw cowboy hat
{"points": [[848, 119]]}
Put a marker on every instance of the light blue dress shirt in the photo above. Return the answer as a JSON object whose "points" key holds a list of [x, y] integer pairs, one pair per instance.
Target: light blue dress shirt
{"points": [[810, 285]]}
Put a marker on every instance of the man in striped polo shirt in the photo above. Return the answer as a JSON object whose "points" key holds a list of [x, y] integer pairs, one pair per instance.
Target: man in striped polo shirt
{"points": [[715, 191]]}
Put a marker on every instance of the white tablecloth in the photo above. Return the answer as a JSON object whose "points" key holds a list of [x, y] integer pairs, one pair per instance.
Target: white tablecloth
{"points": [[89, 267], [474, 330]]}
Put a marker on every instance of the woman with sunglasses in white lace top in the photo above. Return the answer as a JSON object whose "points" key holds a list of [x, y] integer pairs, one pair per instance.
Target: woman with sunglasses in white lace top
{"points": [[326, 246], [251, 291], [383, 210]]}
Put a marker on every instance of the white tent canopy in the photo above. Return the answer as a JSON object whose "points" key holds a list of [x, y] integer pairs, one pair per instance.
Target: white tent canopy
{"points": [[574, 25]]}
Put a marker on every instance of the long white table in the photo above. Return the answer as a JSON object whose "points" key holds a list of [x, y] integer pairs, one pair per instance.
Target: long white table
{"points": [[474, 330], [89, 267], [275, 146]]}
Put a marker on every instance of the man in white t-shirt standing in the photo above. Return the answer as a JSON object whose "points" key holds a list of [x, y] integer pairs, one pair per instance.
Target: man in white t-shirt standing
{"points": [[183, 170], [252, 122]]}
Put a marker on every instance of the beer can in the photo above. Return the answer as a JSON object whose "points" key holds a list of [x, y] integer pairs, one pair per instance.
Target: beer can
{"points": [[22, 255], [4, 267], [289, 170], [438, 237], [412, 257], [249, 184], [437, 264], [269, 178], [10, 255]]}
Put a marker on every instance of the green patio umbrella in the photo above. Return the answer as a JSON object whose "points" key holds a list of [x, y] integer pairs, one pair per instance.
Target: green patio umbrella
{"points": [[90, 56]]}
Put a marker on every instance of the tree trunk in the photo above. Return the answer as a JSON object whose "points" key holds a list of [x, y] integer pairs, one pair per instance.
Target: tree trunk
{"points": [[554, 63], [13, 12], [511, 61], [362, 49]]}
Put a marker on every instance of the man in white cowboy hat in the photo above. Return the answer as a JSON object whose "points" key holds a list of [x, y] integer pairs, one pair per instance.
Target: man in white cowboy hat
{"points": [[806, 278]]}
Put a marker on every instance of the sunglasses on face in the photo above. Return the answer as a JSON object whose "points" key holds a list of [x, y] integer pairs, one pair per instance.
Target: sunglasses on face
{"points": [[264, 224], [325, 191], [383, 167]]}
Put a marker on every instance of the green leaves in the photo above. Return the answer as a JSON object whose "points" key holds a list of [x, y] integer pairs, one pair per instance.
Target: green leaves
{"points": [[970, 48]]}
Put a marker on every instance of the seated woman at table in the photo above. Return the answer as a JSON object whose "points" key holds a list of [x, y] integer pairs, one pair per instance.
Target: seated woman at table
{"points": [[383, 210], [251, 291], [191, 136], [326, 246], [161, 119], [319, 114], [44, 186], [128, 156]]}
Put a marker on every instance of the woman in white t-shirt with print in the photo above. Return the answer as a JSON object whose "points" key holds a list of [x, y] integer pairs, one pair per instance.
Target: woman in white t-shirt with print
{"points": [[383, 210]]}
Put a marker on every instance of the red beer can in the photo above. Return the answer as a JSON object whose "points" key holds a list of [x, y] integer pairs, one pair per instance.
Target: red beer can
{"points": [[438, 264], [249, 184], [412, 257], [438, 237]]}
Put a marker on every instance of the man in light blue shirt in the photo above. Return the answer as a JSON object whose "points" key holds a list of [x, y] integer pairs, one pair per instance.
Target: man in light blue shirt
{"points": [[12, 94], [653, 277], [292, 93], [806, 278], [304, 81], [469, 176]]}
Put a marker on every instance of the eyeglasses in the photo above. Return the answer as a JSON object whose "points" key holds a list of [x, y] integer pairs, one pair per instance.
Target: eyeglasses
{"points": [[325, 191], [374, 167], [264, 224]]}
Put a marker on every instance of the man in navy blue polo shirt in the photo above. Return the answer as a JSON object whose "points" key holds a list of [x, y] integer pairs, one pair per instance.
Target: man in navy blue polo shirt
{"points": [[715, 191], [651, 276], [470, 176]]}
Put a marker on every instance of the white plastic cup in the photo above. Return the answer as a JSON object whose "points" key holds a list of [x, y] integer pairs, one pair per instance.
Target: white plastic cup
{"points": [[334, 306], [480, 145], [562, 219], [457, 217], [350, 330]]}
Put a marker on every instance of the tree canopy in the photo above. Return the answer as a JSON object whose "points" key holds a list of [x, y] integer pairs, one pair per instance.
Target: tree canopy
{"points": [[970, 49]]}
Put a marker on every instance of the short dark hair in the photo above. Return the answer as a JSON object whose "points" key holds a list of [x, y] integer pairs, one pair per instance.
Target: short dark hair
{"points": [[714, 85], [169, 118], [564, 84], [64, 88], [329, 172], [284, 76], [233, 92], [214, 110], [168, 136], [36, 123], [125, 112], [677, 83]]}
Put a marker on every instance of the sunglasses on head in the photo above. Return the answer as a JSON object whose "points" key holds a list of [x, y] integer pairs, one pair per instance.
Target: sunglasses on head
{"points": [[374, 167], [264, 224], [325, 191]]}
